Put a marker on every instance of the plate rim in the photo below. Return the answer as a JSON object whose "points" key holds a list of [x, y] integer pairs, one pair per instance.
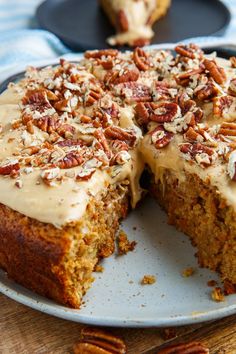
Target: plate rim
{"points": [[66, 313]]}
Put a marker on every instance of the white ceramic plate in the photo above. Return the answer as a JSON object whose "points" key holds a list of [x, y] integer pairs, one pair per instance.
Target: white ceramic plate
{"points": [[118, 299]]}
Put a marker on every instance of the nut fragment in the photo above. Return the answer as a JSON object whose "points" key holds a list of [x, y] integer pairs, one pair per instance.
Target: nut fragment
{"points": [[10, 168], [185, 348], [160, 137], [97, 341], [216, 72], [133, 92], [140, 58], [98, 54], [189, 51], [120, 134], [233, 61], [217, 294]]}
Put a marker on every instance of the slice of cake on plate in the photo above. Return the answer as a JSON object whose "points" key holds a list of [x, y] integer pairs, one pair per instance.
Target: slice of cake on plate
{"points": [[133, 19]]}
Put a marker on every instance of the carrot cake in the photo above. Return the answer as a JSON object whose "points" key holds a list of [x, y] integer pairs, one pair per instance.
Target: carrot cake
{"points": [[75, 140], [133, 19]]}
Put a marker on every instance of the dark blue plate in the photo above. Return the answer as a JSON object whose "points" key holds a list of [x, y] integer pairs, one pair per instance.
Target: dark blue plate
{"points": [[82, 25]]}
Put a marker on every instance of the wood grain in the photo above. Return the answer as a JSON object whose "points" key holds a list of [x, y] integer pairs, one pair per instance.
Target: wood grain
{"points": [[26, 331]]}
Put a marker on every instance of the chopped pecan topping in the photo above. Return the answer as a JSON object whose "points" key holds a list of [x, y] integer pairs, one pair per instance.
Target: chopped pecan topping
{"points": [[192, 135], [66, 131], [207, 92], [47, 124], [85, 175], [202, 154], [119, 145], [222, 106], [188, 51], [185, 348], [106, 64], [123, 22], [232, 87], [97, 341], [142, 112], [99, 135], [10, 169], [184, 79], [228, 129], [162, 92], [120, 134], [233, 61], [72, 159], [165, 112], [141, 59], [115, 77], [134, 92], [71, 142], [92, 97], [140, 42], [98, 54], [160, 137], [216, 72], [49, 175]]}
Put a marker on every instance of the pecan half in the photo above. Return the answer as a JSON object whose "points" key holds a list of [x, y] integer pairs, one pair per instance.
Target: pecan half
{"points": [[66, 131], [72, 159], [188, 51], [98, 54], [9, 169], [98, 341], [216, 72], [47, 124], [123, 23], [165, 112], [140, 58], [160, 137], [120, 134], [184, 78], [134, 92], [99, 135], [115, 77], [185, 348], [207, 92]]}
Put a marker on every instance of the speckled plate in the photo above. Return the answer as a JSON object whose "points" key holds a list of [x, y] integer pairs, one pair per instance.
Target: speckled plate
{"points": [[118, 299]]}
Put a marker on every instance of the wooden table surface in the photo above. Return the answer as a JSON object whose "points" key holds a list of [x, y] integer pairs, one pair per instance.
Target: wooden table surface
{"points": [[26, 331]]}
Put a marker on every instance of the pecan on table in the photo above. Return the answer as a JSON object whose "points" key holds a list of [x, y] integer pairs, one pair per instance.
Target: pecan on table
{"points": [[97, 341], [185, 348]]}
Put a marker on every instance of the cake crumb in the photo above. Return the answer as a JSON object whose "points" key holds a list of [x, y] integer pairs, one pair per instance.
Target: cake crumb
{"points": [[98, 268], [212, 283], [148, 280], [124, 245], [217, 294], [188, 272]]}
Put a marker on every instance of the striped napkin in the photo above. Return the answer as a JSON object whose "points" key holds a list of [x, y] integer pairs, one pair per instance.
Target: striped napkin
{"points": [[21, 42]]}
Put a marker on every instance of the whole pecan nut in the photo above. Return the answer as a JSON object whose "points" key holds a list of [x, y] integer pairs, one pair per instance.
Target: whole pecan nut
{"points": [[97, 341], [185, 348], [165, 112]]}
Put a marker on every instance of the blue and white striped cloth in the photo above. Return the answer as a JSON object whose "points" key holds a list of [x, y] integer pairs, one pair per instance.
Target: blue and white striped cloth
{"points": [[22, 43]]}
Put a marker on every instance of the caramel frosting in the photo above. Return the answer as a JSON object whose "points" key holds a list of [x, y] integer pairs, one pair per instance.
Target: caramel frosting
{"points": [[40, 176], [69, 132]]}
